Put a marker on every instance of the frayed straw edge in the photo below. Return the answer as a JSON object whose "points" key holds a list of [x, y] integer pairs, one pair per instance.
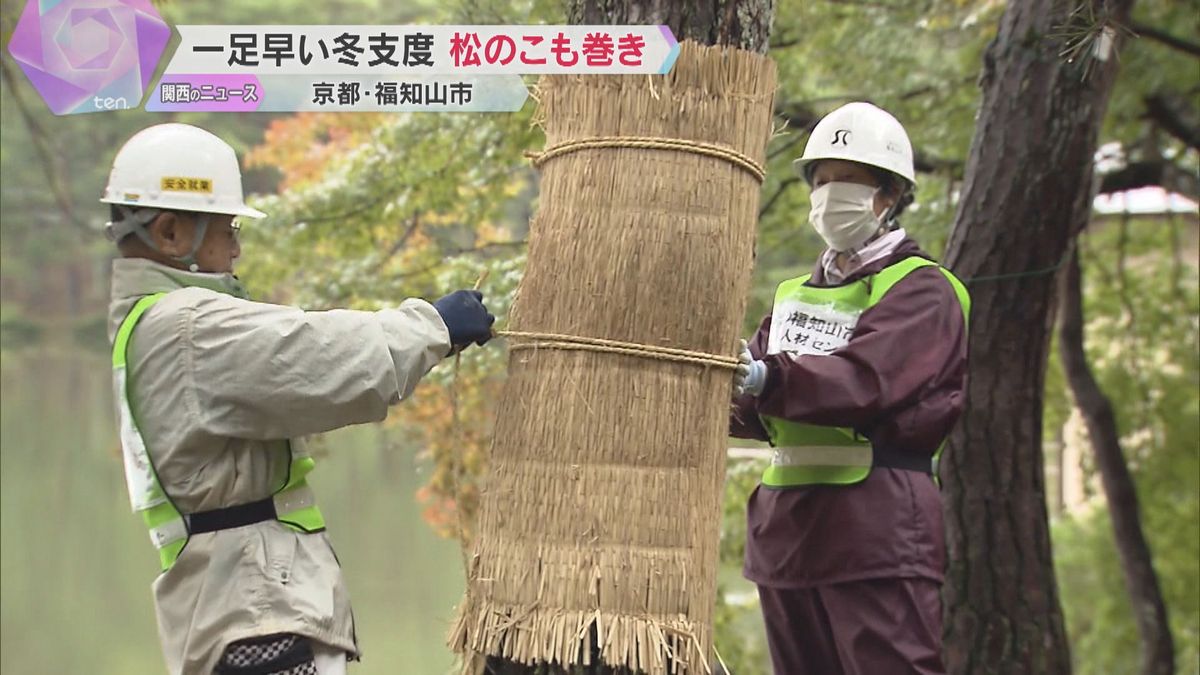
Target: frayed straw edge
{"points": [[532, 635]]}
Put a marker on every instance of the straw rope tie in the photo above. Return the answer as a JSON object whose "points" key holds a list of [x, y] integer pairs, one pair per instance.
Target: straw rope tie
{"points": [[651, 143], [580, 343]]}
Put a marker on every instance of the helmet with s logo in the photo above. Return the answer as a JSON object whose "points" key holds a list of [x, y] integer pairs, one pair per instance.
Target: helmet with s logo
{"points": [[860, 132]]}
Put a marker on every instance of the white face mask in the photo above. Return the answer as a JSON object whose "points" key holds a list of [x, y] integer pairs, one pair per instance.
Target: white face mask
{"points": [[844, 214]]}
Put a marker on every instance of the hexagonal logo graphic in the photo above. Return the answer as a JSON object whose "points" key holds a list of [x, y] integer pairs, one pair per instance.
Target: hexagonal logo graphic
{"points": [[89, 55]]}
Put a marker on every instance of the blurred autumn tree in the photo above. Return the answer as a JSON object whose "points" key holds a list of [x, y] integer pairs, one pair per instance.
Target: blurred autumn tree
{"points": [[53, 260], [386, 208]]}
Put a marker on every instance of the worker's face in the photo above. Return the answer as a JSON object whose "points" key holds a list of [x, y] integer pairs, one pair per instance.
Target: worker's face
{"points": [[842, 171], [174, 233]]}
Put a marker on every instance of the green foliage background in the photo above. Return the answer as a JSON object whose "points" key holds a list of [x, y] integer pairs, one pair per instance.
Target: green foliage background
{"points": [[1142, 346]]}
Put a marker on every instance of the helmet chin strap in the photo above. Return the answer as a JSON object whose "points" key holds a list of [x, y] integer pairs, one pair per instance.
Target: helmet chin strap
{"points": [[139, 220], [197, 239], [888, 218]]}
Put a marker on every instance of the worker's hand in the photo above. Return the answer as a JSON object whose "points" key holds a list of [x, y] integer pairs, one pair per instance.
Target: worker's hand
{"points": [[751, 374], [466, 318]]}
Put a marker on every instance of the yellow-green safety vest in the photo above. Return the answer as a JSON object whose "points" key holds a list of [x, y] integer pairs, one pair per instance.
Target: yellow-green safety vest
{"points": [[293, 504], [811, 320]]}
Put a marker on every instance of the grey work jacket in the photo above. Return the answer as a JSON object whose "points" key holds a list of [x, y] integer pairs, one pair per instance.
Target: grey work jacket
{"points": [[218, 384]]}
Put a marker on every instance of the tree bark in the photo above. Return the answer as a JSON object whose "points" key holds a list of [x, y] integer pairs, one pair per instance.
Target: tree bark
{"points": [[1141, 582], [744, 24], [1028, 178]]}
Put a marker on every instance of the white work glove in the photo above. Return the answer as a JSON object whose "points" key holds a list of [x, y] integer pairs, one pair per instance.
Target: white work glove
{"points": [[751, 374]]}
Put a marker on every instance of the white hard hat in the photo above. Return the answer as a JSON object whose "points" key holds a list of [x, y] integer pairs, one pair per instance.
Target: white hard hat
{"points": [[860, 132], [178, 167]]}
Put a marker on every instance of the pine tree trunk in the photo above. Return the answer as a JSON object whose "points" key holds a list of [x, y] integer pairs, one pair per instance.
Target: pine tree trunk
{"points": [[745, 24], [1028, 178], [1141, 582]]}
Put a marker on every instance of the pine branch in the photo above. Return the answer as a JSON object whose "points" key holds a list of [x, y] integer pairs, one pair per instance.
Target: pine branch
{"points": [[1165, 38]]}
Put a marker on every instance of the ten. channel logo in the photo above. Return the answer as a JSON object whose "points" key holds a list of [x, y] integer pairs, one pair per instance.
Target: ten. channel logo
{"points": [[89, 55]]}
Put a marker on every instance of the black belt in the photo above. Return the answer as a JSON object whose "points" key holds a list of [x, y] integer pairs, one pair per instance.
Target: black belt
{"points": [[902, 459], [231, 516]]}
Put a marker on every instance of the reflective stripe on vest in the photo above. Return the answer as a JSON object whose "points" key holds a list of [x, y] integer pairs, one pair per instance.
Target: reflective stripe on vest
{"points": [[814, 321], [295, 504]]}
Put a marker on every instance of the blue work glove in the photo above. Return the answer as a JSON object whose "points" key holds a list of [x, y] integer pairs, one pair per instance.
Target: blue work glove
{"points": [[751, 374], [466, 319]]}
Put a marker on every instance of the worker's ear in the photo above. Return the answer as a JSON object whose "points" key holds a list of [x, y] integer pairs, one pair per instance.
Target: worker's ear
{"points": [[895, 193], [169, 231]]}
